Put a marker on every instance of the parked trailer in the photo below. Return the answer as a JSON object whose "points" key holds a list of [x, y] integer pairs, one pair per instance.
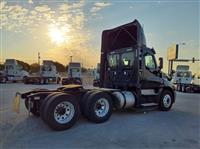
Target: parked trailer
{"points": [[47, 74], [129, 78], [13, 72]]}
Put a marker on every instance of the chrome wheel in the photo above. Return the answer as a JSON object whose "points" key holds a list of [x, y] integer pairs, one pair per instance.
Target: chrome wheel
{"points": [[47, 81], [101, 107], [64, 112], [167, 101], [42, 81], [3, 80]]}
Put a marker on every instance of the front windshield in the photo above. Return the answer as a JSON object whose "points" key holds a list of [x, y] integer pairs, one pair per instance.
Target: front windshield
{"points": [[9, 67], [46, 68], [183, 74], [75, 69]]}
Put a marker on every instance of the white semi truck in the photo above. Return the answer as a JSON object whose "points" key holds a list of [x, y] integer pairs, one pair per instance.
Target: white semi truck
{"points": [[13, 72], [74, 74], [47, 74], [195, 84], [182, 77]]}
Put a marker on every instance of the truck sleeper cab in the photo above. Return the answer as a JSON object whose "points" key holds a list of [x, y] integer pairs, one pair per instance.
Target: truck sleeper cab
{"points": [[13, 72], [182, 78], [47, 74], [129, 78], [74, 74]]}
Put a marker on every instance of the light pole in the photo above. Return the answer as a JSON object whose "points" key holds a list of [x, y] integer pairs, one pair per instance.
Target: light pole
{"points": [[170, 63], [71, 58], [38, 58]]}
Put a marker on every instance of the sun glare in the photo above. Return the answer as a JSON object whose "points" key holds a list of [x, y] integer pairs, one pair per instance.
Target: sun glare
{"points": [[58, 35]]}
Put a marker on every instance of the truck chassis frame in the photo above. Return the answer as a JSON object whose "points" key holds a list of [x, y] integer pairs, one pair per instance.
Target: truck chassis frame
{"points": [[61, 108]]}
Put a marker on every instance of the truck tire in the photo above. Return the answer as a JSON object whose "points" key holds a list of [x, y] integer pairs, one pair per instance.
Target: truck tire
{"points": [[183, 88], [33, 110], [189, 89], [24, 79], [42, 81], [58, 80], [166, 100], [27, 81], [177, 87], [43, 104], [3, 80], [77, 81], [180, 88], [65, 81], [83, 102], [99, 107], [61, 112], [46, 81]]}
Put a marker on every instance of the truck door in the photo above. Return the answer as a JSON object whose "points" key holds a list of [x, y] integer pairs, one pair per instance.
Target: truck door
{"points": [[127, 71], [151, 79]]}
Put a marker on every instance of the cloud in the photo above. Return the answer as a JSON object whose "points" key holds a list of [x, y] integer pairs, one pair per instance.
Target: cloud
{"points": [[16, 16], [30, 1], [2, 4], [102, 4], [34, 20], [98, 6], [12, 17], [76, 5], [42, 8]]}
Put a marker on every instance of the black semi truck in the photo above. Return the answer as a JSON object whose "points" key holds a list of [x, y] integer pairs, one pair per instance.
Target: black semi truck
{"points": [[129, 78]]}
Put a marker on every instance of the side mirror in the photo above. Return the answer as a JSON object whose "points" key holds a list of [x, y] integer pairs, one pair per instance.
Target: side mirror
{"points": [[160, 63], [193, 76]]}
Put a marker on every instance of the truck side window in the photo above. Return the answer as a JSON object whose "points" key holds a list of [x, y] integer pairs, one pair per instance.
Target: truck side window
{"points": [[113, 60], [127, 59], [149, 61]]}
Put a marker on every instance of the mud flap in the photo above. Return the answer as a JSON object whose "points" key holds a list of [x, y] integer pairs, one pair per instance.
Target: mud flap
{"points": [[16, 103]]}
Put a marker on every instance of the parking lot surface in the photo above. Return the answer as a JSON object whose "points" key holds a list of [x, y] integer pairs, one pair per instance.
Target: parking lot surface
{"points": [[178, 128]]}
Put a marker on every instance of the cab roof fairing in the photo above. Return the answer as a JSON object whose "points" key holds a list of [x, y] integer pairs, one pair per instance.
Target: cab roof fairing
{"points": [[126, 35]]}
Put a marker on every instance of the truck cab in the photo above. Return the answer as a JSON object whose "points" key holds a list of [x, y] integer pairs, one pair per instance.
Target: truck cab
{"points": [[74, 70], [74, 74], [128, 64], [47, 74], [182, 77], [13, 71], [48, 69]]}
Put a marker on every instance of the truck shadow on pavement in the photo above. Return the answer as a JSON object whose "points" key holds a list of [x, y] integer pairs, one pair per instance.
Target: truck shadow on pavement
{"points": [[32, 132]]}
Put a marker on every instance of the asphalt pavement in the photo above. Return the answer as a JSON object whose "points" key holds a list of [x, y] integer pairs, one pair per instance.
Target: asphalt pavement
{"points": [[150, 129]]}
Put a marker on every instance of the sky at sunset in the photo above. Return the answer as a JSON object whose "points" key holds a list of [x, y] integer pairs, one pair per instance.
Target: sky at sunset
{"points": [[59, 29]]}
